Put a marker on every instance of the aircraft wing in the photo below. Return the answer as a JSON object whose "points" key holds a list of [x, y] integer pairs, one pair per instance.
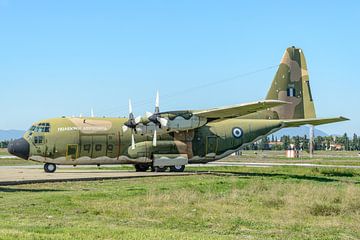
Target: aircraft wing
{"points": [[238, 110], [312, 121]]}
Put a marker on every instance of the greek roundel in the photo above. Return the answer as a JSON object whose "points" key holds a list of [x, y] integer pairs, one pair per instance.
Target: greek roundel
{"points": [[237, 132]]}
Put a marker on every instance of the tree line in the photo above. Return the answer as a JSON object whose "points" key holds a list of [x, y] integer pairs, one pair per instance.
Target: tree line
{"points": [[4, 144], [302, 143]]}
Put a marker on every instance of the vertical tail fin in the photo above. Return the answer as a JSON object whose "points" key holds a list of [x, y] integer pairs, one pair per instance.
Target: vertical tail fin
{"points": [[291, 84]]}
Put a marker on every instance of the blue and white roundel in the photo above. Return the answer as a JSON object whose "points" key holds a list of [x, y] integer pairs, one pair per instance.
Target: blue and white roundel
{"points": [[237, 132]]}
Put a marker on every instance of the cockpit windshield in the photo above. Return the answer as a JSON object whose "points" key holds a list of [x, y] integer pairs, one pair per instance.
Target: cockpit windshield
{"points": [[40, 127]]}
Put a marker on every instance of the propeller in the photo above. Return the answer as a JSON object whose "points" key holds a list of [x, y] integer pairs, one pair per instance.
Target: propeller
{"points": [[131, 123], [156, 118]]}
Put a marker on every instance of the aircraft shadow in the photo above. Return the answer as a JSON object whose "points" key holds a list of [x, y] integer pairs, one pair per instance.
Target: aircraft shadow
{"points": [[279, 175], [10, 190]]}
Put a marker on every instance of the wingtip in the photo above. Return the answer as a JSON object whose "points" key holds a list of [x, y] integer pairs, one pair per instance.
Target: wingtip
{"points": [[344, 118]]}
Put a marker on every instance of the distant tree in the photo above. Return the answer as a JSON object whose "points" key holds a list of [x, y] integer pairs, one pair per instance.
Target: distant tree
{"points": [[346, 142], [264, 144], [305, 143], [286, 142], [297, 142], [355, 143], [4, 144]]}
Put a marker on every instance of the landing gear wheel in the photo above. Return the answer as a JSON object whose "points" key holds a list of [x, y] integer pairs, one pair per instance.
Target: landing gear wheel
{"points": [[49, 167], [141, 167], [178, 168], [158, 169]]}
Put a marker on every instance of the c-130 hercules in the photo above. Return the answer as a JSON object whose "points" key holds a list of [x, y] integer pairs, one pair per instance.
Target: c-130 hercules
{"points": [[175, 138]]}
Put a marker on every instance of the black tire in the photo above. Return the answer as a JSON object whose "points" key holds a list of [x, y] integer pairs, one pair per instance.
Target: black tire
{"points": [[158, 169], [179, 168], [49, 167], [141, 167]]}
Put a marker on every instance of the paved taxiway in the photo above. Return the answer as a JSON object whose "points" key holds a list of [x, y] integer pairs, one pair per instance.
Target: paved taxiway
{"points": [[25, 175], [13, 175]]}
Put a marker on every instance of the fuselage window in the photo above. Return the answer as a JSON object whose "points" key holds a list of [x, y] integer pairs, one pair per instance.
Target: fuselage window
{"points": [[87, 147], [98, 147], [110, 147], [38, 139], [41, 127]]}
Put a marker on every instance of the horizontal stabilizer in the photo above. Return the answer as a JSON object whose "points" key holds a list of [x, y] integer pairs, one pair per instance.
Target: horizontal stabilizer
{"points": [[239, 110], [312, 121]]}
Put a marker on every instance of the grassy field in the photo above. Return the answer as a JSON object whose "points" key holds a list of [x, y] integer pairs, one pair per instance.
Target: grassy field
{"points": [[12, 161], [236, 203], [3, 151], [320, 157]]}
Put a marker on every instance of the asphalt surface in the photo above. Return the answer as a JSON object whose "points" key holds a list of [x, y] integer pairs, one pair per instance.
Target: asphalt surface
{"points": [[26, 175], [14, 175]]}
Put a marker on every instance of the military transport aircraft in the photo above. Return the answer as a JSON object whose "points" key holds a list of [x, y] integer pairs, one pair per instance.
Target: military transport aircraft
{"points": [[172, 139]]}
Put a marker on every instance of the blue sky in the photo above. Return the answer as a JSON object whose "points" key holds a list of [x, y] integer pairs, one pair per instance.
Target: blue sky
{"points": [[65, 57]]}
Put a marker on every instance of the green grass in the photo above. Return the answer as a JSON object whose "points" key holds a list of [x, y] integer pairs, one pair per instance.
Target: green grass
{"points": [[320, 157], [238, 203], [3, 151], [16, 162]]}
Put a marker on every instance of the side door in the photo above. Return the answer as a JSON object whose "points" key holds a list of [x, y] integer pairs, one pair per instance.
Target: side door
{"points": [[99, 146], [211, 146], [71, 151]]}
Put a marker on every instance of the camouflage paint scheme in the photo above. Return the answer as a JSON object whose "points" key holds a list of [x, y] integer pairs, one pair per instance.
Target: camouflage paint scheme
{"points": [[200, 136]]}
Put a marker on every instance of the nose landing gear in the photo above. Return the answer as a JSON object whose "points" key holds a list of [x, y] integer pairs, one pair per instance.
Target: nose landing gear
{"points": [[49, 167], [141, 167]]}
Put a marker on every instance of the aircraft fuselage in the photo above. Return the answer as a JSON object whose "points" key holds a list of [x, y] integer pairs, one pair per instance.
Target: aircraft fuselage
{"points": [[77, 141]]}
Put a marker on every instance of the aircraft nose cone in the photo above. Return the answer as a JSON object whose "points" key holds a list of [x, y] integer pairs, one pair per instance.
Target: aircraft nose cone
{"points": [[19, 148]]}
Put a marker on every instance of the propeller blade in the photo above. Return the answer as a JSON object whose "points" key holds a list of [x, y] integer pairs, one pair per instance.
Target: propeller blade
{"points": [[138, 119], [148, 114], [132, 141], [124, 128], [92, 112], [157, 102], [130, 107], [154, 138], [163, 121]]}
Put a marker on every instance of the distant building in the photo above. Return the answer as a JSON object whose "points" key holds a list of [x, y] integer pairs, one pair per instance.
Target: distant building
{"points": [[275, 143], [336, 147]]}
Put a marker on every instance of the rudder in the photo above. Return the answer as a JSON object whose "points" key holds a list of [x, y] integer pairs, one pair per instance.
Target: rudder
{"points": [[291, 84]]}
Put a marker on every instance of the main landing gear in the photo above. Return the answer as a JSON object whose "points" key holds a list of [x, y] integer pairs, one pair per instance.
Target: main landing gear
{"points": [[178, 168], [144, 167], [49, 167]]}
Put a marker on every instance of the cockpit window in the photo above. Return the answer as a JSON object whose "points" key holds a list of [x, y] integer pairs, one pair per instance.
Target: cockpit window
{"points": [[41, 127]]}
